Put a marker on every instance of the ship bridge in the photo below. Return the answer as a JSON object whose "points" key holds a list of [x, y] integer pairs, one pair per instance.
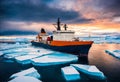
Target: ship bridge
{"points": [[62, 35], [65, 35]]}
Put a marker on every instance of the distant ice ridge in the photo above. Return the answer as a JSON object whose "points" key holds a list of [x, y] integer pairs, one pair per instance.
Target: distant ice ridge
{"points": [[115, 53], [21, 40], [102, 38]]}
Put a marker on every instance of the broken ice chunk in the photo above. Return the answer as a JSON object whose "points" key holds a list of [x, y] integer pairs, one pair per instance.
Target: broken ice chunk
{"points": [[115, 53], [28, 72], [70, 73], [25, 79], [90, 71]]}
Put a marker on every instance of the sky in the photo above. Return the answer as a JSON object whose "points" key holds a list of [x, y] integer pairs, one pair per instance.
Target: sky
{"points": [[29, 16]]}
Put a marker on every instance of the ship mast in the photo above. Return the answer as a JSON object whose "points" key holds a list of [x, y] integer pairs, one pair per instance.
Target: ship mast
{"points": [[58, 24]]}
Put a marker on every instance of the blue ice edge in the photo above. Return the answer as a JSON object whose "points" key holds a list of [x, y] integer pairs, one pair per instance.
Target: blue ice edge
{"points": [[32, 72], [56, 58], [114, 53], [13, 46], [25, 79], [91, 71], [70, 73], [26, 59]]}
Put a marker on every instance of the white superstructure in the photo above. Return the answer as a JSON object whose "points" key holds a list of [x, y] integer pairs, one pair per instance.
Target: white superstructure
{"points": [[64, 35]]}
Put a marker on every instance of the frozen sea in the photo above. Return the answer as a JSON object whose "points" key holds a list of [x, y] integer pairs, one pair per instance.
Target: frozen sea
{"points": [[106, 63]]}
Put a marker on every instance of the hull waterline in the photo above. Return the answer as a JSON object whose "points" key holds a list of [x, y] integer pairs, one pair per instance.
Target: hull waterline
{"points": [[72, 49]]}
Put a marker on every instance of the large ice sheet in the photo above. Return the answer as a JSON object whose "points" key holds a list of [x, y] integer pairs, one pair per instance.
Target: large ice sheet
{"points": [[13, 46], [90, 70], [26, 59], [19, 50], [115, 53], [28, 72], [70, 73], [11, 51], [25, 79], [13, 55], [54, 59]]}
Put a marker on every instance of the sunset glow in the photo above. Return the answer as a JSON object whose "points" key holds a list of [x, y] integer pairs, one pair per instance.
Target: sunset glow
{"points": [[31, 15]]}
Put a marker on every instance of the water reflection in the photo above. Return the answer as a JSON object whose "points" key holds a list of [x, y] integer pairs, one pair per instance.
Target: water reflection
{"points": [[108, 64]]}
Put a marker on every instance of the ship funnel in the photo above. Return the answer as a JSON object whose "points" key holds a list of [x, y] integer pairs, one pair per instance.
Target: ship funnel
{"points": [[43, 30], [65, 27]]}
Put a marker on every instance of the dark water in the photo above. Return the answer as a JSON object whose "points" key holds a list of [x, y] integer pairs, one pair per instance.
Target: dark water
{"points": [[109, 65]]}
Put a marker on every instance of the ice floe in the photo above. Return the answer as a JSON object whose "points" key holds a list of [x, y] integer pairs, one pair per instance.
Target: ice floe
{"points": [[28, 72], [90, 70], [26, 59], [13, 55], [70, 73], [115, 53], [25, 79], [18, 50], [13, 46], [11, 51], [54, 59]]}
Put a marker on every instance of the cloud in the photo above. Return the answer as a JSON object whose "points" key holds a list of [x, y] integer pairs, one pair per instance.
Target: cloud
{"points": [[101, 13], [36, 11], [25, 10], [99, 10], [81, 21], [111, 7]]}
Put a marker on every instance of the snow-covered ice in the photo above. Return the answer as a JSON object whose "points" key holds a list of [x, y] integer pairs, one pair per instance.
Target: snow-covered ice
{"points": [[11, 51], [28, 72], [25, 79], [90, 70], [13, 46], [70, 73], [115, 53], [13, 55], [54, 59], [18, 50], [26, 59]]}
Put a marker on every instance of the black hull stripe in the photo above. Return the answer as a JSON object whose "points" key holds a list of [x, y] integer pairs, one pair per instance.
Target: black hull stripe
{"points": [[76, 49]]}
